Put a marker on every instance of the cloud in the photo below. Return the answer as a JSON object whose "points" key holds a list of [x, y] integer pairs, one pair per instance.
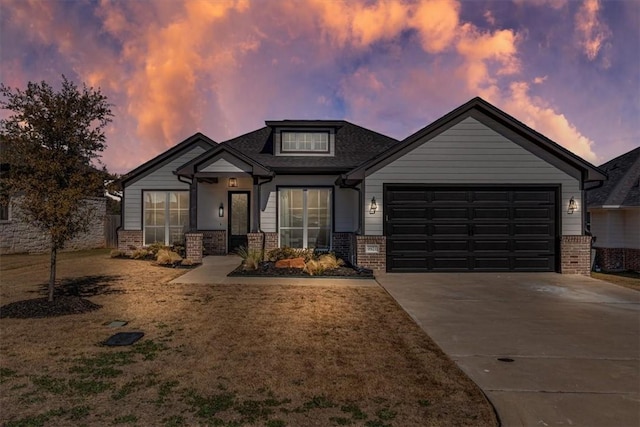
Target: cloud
{"points": [[591, 33]]}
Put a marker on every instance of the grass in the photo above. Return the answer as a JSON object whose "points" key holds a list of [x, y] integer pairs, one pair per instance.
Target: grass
{"points": [[223, 355], [628, 279]]}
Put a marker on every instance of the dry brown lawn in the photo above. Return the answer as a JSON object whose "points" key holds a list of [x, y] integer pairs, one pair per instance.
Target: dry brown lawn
{"points": [[628, 279], [227, 355]]}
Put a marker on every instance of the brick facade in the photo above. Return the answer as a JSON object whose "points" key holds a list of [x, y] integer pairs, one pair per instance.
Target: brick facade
{"points": [[342, 246], [374, 261], [254, 241], [575, 255], [618, 259], [214, 242], [129, 240], [193, 246]]}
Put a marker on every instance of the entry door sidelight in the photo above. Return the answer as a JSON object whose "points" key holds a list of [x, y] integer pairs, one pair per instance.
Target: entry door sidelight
{"points": [[239, 217]]}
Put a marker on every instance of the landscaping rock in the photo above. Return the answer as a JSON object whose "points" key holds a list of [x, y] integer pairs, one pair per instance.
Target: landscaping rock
{"points": [[291, 263]]}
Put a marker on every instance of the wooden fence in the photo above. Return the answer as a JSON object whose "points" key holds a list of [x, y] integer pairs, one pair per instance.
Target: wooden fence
{"points": [[111, 224]]}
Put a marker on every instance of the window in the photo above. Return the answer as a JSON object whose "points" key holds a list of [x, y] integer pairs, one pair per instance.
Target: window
{"points": [[166, 216], [4, 211], [305, 217], [300, 142]]}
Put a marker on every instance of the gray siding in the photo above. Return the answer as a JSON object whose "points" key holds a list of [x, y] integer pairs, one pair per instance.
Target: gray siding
{"points": [[160, 179], [472, 153], [345, 201]]}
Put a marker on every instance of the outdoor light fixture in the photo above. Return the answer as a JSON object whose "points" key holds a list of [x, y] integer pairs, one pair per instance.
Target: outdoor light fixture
{"points": [[233, 182], [373, 207], [221, 210], [573, 205]]}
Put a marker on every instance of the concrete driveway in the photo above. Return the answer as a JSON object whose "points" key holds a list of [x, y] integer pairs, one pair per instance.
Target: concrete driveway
{"points": [[574, 342]]}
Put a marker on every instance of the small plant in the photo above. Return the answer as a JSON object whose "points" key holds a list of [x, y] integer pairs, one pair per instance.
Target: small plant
{"points": [[141, 254], [313, 268], [286, 252], [156, 247], [187, 262], [330, 262], [167, 257], [251, 258], [116, 254]]}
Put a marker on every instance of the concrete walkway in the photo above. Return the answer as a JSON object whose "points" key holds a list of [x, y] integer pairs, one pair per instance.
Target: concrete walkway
{"points": [[214, 270], [574, 342]]}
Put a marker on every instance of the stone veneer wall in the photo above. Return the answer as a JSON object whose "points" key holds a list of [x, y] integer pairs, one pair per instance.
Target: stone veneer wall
{"points": [[193, 247], [612, 259], [575, 255], [377, 261], [214, 242], [17, 236]]}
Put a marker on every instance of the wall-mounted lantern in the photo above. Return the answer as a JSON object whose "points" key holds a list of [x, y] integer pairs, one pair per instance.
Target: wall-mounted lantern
{"points": [[573, 206], [373, 207], [221, 210], [233, 182]]}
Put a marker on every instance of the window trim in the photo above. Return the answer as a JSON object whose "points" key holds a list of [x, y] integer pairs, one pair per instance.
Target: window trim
{"points": [[167, 233], [332, 212], [293, 131]]}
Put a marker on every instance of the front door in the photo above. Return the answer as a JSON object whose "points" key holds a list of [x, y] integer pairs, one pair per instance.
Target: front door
{"points": [[239, 214]]}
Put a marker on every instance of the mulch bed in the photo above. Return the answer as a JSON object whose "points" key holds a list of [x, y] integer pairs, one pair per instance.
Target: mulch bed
{"points": [[268, 269], [41, 307]]}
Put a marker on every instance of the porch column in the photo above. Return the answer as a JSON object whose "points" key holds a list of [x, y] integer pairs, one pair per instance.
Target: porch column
{"points": [[193, 205], [255, 205]]}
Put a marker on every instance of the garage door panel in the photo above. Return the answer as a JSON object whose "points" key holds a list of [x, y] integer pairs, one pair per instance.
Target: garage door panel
{"points": [[409, 229], [450, 230], [412, 195], [492, 263], [450, 196], [449, 213], [533, 213], [491, 230], [492, 246], [542, 246], [533, 264], [533, 196], [490, 196], [407, 213], [532, 229], [490, 213], [410, 263], [407, 246], [451, 245], [450, 263]]}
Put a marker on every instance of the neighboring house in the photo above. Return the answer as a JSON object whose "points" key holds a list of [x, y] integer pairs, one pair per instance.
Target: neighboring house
{"points": [[474, 191], [18, 236], [614, 214]]}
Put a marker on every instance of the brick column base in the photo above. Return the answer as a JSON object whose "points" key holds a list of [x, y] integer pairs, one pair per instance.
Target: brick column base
{"points": [[254, 242], [129, 241], [369, 259], [575, 255], [193, 243]]}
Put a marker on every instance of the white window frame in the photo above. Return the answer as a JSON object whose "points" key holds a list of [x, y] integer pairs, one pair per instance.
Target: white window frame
{"points": [[304, 142], [305, 217], [167, 214]]}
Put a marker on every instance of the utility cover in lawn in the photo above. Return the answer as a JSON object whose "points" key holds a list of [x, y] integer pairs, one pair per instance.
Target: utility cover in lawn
{"points": [[123, 338]]}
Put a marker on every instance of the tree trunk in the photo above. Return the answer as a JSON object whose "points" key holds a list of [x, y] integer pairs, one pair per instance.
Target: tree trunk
{"points": [[52, 271]]}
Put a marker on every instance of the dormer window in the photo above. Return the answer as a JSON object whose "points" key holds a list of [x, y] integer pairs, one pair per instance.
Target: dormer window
{"points": [[305, 142]]}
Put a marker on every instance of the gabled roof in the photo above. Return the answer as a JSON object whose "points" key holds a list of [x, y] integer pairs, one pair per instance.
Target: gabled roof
{"points": [[195, 140], [191, 168], [353, 146], [623, 186], [500, 122]]}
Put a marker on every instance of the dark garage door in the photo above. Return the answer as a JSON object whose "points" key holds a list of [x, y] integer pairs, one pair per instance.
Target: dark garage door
{"points": [[470, 228]]}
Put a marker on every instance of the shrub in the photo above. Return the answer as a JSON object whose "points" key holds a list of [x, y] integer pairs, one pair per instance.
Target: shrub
{"points": [[251, 258], [116, 254], [330, 262], [286, 252], [313, 267], [167, 257], [154, 248], [140, 254]]}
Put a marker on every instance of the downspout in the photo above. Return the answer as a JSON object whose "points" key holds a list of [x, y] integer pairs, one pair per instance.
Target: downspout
{"points": [[264, 237]]}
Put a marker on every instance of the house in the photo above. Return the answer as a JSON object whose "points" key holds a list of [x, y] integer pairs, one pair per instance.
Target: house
{"points": [[474, 191], [614, 214]]}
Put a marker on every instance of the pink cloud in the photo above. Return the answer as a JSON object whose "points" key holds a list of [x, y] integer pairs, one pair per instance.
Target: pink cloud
{"points": [[592, 34]]}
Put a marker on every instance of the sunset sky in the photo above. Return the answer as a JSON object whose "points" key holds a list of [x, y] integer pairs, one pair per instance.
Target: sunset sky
{"points": [[569, 69]]}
